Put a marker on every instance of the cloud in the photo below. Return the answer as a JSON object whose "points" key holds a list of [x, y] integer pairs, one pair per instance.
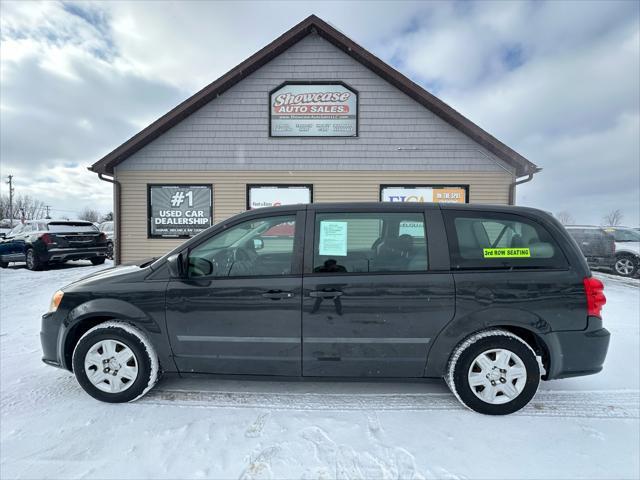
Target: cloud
{"points": [[557, 81]]}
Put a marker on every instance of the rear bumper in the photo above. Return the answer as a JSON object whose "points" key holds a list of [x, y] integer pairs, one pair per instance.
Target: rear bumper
{"points": [[64, 254], [578, 353]]}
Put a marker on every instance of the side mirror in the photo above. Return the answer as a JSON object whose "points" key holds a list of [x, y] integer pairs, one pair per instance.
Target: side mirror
{"points": [[175, 263], [258, 244]]}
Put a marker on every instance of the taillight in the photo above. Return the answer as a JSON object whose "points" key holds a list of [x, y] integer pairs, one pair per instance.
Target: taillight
{"points": [[102, 237], [46, 239], [594, 290]]}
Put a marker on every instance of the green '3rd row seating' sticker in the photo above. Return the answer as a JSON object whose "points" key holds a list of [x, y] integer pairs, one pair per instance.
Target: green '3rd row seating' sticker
{"points": [[506, 252]]}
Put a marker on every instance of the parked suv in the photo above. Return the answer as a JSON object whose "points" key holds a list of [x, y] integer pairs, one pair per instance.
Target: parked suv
{"points": [[627, 250], [493, 299], [107, 229], [41, 242], [597, 245]]}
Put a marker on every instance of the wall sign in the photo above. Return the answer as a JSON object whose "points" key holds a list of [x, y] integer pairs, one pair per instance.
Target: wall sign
{"points": [[259, 196], [301, 109], [424, 193], [176, 211]]}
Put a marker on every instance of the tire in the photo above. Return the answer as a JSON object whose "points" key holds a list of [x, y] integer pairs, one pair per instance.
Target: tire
{"points": [[97, 260], [129, 380], [110, 250], [626, 265], [491, 346], [32, 260]]}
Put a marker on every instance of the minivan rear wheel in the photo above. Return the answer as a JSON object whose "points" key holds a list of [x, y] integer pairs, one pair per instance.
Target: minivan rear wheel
{"points": [[115, 362], [493, 372]]}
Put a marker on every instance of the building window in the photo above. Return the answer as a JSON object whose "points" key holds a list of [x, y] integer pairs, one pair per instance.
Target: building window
{"points": [[259, 196], [178, 210], [425, 193]]}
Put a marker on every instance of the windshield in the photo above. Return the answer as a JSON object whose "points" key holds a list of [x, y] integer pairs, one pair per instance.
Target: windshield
{"points": [[624, 234], [106, 227]]}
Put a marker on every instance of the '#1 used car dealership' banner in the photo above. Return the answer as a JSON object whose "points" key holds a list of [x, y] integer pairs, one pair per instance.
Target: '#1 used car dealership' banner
{"points": [[313, 110], [179, 210], [451, 194]]}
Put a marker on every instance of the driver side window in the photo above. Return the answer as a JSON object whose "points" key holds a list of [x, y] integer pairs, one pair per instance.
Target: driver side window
{"points": [[260, 247]]}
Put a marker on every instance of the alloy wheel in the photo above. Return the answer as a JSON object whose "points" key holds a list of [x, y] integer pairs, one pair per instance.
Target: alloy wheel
{"points": [[624, 266]]}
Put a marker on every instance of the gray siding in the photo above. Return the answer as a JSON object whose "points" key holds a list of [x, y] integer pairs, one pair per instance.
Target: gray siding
{"points": [[395, 132]]}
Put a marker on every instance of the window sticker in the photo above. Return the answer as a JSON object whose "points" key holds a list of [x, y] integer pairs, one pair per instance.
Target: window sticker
{"points": [[506, 252], [415, 229], [333, 238]]}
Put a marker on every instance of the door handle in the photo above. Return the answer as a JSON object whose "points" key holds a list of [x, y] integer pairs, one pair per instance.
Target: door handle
{"points": [[325, 293], [277, 294]]}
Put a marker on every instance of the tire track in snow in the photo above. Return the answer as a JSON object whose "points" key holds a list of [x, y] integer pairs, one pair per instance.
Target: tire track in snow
{"points": [[587, 404]]}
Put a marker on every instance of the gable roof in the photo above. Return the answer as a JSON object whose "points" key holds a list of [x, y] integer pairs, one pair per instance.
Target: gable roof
{"points": [[311, 24]]}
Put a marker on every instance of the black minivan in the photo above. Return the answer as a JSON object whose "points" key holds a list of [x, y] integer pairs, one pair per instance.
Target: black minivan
{"points": [[491, 298]]}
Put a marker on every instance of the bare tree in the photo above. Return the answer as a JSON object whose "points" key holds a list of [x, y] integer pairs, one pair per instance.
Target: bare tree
{"points": [[89, 214], [613, 218], [565, 218], [22, 204], [107, 217]]}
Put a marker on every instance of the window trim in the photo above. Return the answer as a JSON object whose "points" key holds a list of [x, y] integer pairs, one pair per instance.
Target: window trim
{"points": [[296, 259], [449, 217], [309, 252]]}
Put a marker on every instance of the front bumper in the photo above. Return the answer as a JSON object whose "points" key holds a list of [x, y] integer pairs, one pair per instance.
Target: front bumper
{"points": [[577, 353], [50, 339], [64, 254]]}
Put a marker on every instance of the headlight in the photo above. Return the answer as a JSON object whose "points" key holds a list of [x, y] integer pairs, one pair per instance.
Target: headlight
{"points": [[55, 301]]}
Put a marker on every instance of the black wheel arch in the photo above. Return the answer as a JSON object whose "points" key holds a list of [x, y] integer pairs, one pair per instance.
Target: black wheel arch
{"points": [[93, 312], [531, 329]]}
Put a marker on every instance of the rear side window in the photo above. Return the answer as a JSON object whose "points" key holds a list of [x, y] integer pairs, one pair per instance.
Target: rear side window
{"points": [[369, 242], [500, 241]]}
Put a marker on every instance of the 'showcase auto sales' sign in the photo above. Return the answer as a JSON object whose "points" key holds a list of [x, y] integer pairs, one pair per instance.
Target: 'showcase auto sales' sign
{"points": [[313, 110], [179, 210]]}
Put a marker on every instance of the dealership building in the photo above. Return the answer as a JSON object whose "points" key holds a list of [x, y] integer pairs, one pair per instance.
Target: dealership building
{"points": [[312, 117]]}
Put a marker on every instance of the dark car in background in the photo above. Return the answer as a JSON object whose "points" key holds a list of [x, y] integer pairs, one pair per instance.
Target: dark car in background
{"points": [[107, 229], [41, 242], [597, 245], [492, 299]]}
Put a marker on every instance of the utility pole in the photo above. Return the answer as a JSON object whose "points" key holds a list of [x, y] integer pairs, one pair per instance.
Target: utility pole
{"points": [[10, 182], [47, 207]]}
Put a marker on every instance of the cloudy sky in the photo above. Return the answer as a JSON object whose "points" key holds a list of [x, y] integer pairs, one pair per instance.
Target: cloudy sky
{"points": [[557, 81]]}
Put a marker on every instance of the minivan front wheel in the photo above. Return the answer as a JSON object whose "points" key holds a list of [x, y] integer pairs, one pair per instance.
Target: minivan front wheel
{"points": [[115, 362], [493, 372]]}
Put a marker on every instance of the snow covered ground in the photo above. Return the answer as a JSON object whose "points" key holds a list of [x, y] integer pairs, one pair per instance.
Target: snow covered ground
{"points": [[200, 428]]}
